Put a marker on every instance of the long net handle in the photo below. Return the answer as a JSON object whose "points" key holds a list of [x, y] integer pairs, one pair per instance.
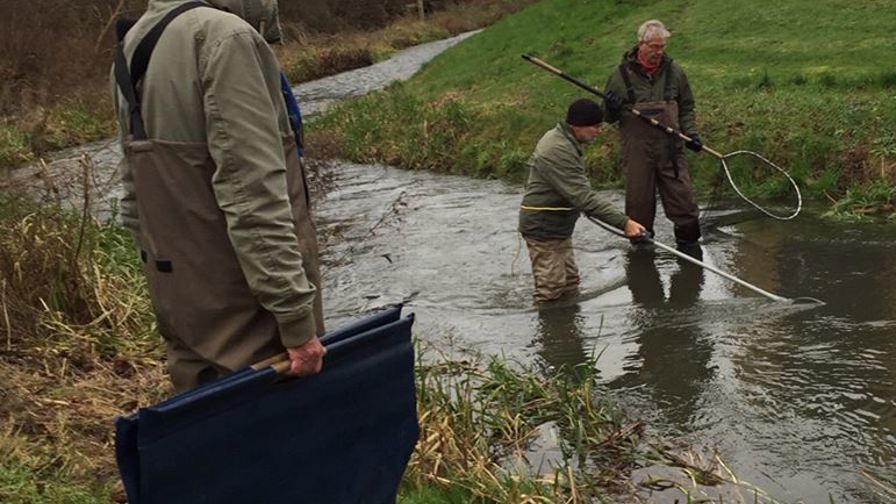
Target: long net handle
{"points": [[681, 255], [628, 108], [796, 189]]}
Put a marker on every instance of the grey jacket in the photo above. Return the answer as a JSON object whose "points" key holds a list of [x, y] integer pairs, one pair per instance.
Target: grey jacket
{"points": [[213, 80]]}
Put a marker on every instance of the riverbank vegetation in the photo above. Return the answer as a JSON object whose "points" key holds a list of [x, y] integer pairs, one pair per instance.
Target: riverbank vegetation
{"points": [[79, 348], [55, 56], [799, 82]]}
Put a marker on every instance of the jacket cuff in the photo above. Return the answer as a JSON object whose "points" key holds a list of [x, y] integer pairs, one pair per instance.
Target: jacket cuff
{"points": [[621, 219], [296, 332]]}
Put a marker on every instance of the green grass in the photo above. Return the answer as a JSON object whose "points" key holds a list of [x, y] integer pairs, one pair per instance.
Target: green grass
{"points": [[14, 147], [25, 485], [865, 203], [84, 113], [432, 495], [799, 82], [68, 123]]}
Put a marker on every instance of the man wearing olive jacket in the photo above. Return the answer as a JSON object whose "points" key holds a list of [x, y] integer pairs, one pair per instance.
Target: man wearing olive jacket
{"points": [[557, 192], [214, 190], [649, 81]]}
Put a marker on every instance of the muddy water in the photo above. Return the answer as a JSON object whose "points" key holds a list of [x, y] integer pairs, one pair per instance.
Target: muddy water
{"points": [[799, 400]]}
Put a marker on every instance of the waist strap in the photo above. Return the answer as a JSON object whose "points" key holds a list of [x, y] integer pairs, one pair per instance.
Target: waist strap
{"points": [[546, 209]]}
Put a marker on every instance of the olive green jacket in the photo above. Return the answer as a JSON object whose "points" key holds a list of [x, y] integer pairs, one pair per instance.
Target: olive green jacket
{"points": [[557, 189], [669, 83], [214, 80]]}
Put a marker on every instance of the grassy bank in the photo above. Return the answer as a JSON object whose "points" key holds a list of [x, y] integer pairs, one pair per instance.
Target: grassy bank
{"points": [[78, 347], [800, 82], [309, 57], [61, 99]]}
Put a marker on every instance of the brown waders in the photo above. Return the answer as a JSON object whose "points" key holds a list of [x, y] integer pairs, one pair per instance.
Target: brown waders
{"points": [[655, 161], [211, 322], [553, 268]]}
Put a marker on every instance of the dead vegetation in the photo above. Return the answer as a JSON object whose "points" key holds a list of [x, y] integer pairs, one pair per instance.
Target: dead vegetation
{"points": [[78, 346]]}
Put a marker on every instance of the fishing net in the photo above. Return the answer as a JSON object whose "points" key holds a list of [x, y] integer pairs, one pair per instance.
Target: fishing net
{"points": [[746, 170]]}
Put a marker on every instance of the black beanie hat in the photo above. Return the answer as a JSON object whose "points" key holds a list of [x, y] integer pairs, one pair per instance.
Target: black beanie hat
{"points": [[584, 112]]}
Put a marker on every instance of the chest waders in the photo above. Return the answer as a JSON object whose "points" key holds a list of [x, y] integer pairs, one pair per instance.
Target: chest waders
{"points": [[211, 321], [656, 162]]}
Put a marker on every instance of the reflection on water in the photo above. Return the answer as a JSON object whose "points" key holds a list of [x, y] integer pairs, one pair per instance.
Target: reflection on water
{"points": [[560, 337], [671, 362], [316, 96]]}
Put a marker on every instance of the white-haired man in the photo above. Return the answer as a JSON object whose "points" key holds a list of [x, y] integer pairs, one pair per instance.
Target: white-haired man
{"points": [[649, 81]]}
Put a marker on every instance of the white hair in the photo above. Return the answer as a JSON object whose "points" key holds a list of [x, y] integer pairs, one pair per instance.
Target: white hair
{"points": [[652, 29]]}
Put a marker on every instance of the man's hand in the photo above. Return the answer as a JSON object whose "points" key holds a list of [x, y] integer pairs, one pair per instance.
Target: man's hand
{"points": [[695, 144], [306, 359], [612, 102], [633, 230]]}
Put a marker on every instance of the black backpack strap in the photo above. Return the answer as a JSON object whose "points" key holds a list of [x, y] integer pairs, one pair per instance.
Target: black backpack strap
{"points": [[122, 25], [123, 78], [668, 95], [623, 69], [129, 79]]}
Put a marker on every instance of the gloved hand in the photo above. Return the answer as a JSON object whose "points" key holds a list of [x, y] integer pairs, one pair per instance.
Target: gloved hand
{"points": [[695, 144], [612, 102]]}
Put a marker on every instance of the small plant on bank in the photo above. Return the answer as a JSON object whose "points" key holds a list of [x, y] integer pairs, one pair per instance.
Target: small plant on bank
{"points": [[875, 201]]}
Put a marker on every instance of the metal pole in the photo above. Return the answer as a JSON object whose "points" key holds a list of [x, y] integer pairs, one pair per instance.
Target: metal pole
{"points": [[773, 297], [715, 270]]}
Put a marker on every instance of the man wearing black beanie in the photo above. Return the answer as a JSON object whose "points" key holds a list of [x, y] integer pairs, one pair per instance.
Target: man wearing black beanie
{"points": [[584, 112], [557, 192]]}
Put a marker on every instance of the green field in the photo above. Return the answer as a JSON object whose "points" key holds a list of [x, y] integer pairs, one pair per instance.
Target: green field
{"points": [[801, 82]]}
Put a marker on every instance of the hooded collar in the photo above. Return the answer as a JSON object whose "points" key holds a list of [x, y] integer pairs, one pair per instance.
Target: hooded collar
{"points": [[263, 15], [630, 58]]}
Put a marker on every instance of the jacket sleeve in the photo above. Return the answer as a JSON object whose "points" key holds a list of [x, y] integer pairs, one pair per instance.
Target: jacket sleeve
{"points": [[249, 182], [563, 170], [617, 85], [686, 116]]}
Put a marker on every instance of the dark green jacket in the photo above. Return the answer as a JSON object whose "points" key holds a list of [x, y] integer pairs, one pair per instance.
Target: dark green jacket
{"points": [[669, 83], [557, 190]]}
